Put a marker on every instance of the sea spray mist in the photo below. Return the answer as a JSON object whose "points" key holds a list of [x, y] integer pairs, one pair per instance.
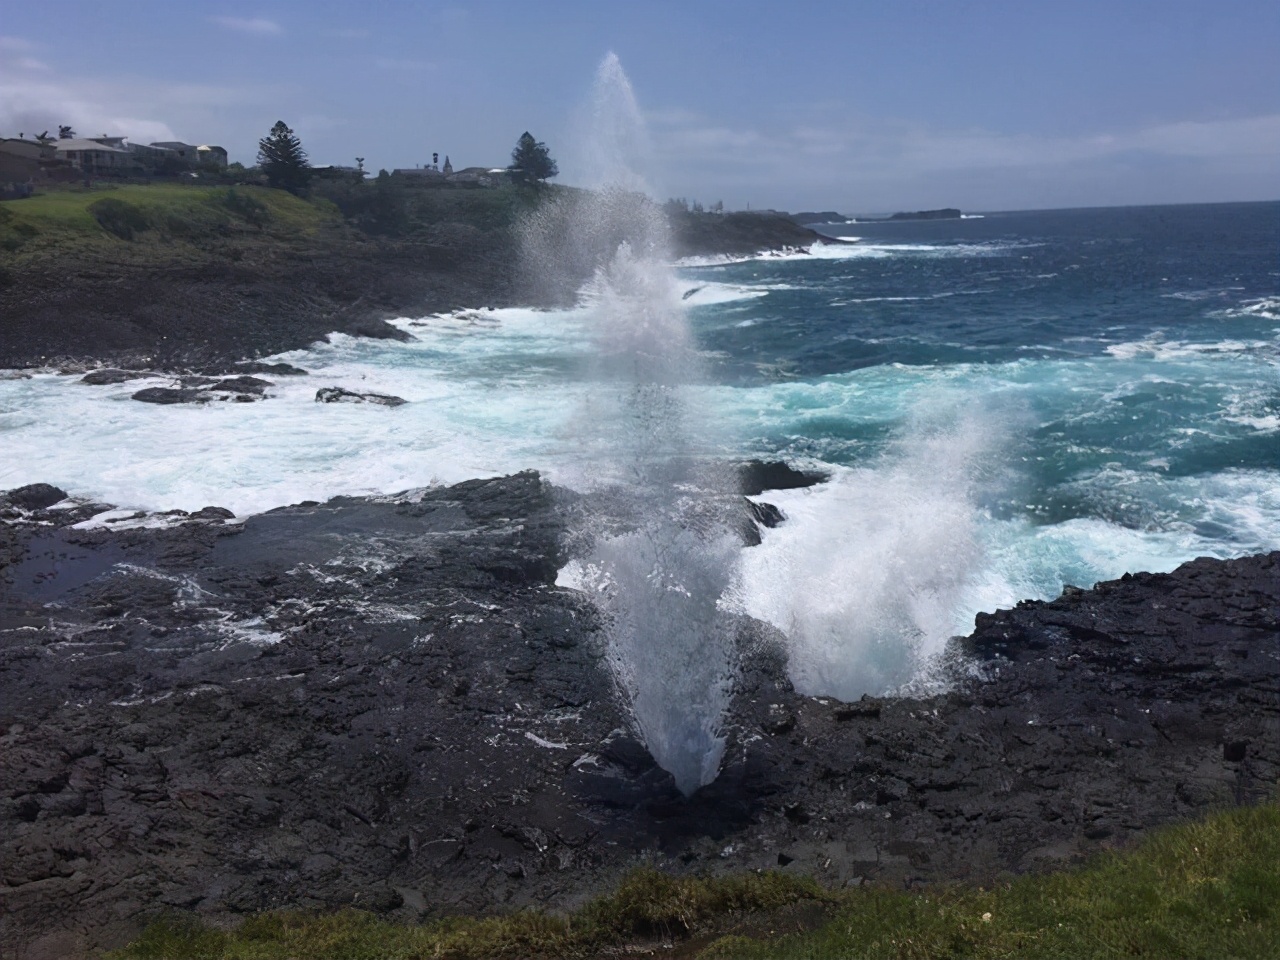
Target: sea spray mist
{"points": [[866, 577], [657, 554]]}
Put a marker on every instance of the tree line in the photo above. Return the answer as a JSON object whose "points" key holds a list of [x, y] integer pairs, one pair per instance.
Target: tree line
{"points": [[285, 164]]}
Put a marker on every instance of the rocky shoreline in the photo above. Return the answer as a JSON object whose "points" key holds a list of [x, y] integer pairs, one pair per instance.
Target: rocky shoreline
{"points": [[206, 318], [240, 301], [388, 702]]}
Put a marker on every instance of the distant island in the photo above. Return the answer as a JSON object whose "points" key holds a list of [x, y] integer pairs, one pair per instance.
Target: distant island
{"points": [[947, 213], [810, 218]]}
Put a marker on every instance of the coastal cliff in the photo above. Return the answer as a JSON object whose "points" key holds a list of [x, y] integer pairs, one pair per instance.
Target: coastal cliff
{"points": [[175, 277]]}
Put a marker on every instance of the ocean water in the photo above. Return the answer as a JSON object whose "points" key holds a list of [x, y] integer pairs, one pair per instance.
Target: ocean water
{"points": [[1004, 405]]}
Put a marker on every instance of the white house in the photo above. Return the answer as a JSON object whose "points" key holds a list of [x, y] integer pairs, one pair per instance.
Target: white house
{"points": [[193, 155]]}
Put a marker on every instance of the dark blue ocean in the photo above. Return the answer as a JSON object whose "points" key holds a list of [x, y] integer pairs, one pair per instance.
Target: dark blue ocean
{"points": [[1133, 353], [1003, 405], [1015, 402]]}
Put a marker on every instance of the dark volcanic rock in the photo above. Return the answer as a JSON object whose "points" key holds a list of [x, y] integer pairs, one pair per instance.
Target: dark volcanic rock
{"points": [[376, 329], [212, 513], [341, 395], [391, 704], [103, 377], [241, 384], [757, 476], [35, 496], [741, 232], [168, 395], [279, 369], [199, 389], [765, 514]]}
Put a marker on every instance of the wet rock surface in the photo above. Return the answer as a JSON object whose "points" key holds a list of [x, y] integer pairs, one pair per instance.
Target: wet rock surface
{"points": [[389, 703], [241, 389], [241, 300], [107, 376], [343, 395]]}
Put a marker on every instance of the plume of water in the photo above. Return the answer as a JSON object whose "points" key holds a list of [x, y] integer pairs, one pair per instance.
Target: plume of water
{"points": [[657, 565], [868, 574]]}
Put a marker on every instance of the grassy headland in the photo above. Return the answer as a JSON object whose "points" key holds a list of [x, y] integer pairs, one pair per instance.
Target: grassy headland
{"points": [[187, 275], [155, 223], [1204, 889]]}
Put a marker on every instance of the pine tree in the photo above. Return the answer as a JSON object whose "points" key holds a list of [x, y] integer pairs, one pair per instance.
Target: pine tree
{"points": [[531, 161], [283, 160]]}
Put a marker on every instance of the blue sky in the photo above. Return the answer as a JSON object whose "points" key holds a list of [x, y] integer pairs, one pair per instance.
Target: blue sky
{"points": [[856, 106]]}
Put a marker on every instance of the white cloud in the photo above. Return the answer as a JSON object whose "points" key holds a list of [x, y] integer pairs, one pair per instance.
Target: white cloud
{"points": [[16, 45], [137, 108], [257, 26]]}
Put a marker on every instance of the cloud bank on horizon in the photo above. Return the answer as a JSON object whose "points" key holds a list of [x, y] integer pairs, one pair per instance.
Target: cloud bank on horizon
{"points": [[837, 106]]}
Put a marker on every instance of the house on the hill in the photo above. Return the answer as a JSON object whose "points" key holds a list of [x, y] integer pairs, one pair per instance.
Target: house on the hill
{"points": [[212, 155], [91, 156], [481, 176], [24, 162], [430, 175], [20, 163], [193, 155], [334, 171], [418, 173]]}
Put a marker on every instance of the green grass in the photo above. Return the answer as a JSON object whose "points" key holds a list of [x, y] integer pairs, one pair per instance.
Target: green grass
{"points": [[647, 903], [153, 221], [1206, 889], [1209, 889], [395, 207]]}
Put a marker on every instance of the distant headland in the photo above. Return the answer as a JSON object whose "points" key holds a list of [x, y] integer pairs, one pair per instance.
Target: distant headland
{"points": [[809, 218], [947, 213]]}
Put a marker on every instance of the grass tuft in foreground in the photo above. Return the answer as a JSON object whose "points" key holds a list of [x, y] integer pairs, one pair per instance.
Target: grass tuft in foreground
{"points": [[1206, 889], [648, 903]]}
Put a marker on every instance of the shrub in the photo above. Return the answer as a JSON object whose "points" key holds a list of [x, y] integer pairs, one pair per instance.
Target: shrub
{"points": [[248, 208], [14, 234], [119, 218]]}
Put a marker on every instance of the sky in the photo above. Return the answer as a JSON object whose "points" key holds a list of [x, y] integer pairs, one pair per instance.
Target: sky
{"points": [[858, 106]]}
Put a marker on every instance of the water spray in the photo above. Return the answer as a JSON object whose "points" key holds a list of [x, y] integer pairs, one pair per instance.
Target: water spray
{"points": [[660, 575]]}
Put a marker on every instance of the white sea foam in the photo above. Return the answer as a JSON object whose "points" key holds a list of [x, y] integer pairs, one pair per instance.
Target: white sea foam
{"points": [[862, 249], [711, 294], [483, 400], [868, 573], [855, 248], [873, 571], [1029, 561], [1159, 348], [933, 296], [1266, 307]]}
